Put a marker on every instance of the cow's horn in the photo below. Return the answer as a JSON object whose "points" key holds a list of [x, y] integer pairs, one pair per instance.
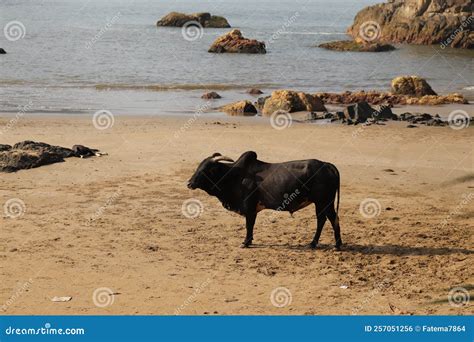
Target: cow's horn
{"points": [[223, 158]]}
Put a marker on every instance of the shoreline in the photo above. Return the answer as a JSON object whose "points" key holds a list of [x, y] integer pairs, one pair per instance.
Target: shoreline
{"points": [[442, 110]]}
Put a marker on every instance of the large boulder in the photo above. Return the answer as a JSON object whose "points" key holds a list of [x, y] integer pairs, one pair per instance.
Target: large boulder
{"points": [[353, 46], [412, 86], [234, 42], [204, 19], [444, 22], [292, 101], [244, 108]]}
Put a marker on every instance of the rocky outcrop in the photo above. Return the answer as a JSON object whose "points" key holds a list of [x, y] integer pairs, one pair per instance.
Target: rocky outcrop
{"points": [[204, 19], [30, 154], [412, 86], [234, 42], [211, 96], [444, 22], [351, 45], [244, 108], [375, 97], [292, 101]]}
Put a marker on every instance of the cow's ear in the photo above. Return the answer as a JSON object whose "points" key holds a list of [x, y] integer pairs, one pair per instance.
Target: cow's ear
{"points": [[246, 159], [216, 155]]}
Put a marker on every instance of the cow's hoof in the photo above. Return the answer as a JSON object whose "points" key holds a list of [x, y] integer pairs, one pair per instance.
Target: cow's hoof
{"points": [[313, 245], [337, 248], [245, 244]]}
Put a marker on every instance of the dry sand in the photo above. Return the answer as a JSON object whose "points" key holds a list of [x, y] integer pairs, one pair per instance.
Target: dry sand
{"points": [[117, 222]]}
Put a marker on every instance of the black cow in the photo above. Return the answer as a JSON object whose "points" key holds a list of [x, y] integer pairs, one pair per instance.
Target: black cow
{"points": [[249, 185]]}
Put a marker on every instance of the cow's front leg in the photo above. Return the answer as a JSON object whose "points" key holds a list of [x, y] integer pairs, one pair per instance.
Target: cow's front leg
{"points": [[249, 223]]}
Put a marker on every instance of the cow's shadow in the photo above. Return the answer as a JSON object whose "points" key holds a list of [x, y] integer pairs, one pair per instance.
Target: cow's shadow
{"points": [[389, 249]]}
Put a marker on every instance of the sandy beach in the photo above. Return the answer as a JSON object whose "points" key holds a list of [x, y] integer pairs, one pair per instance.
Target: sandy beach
{"points": [[116, 222]]}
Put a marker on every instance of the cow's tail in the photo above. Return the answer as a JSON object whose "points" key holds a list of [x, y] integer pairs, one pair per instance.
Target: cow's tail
{"points": [[338, 191]]}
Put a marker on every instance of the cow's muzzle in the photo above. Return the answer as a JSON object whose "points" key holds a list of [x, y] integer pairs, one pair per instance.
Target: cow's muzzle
{"points": [[191, 186]]}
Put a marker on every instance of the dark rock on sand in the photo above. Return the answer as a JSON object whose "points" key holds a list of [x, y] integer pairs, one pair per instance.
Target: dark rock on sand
{"points": [[234, 42], [14, 160], [351, 45], [412, 86], [362, 112], [204, 19], [211, 95], [245, 108], [447, 23], [2, 51], [292, 101], [254, 91], [358, 113], [29, 145], [30, 154]]}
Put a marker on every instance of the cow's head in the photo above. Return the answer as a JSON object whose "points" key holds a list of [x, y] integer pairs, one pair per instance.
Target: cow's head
{"points": [[209, 172]]}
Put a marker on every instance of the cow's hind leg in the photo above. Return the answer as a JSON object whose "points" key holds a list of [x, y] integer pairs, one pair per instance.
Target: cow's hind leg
{"points": [[320, 220], [334, 218], [249, 223]]}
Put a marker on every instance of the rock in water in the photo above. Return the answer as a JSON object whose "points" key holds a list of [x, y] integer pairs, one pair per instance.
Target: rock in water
{"points": [[447, 23], [292, 101], [211, 95], [254, 91], [412, 86], [350, 45], [234, 42], [245, 108], [204, 19], [2, 51]]}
